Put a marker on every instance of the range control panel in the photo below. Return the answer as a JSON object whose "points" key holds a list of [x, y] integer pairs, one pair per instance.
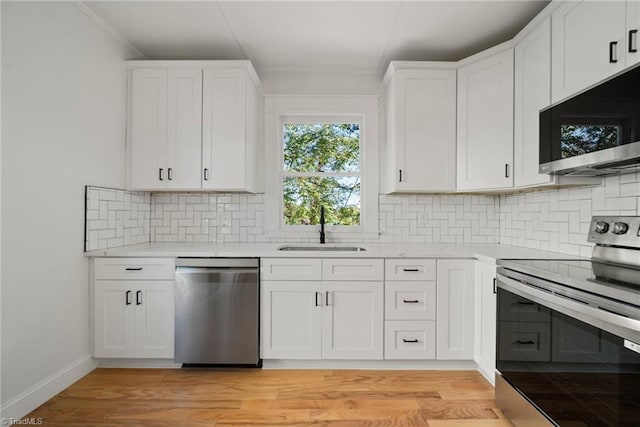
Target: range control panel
{"points": [[615, 230]]}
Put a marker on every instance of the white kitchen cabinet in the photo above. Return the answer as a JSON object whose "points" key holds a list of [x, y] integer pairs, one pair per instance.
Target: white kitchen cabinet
{"points": [[532, 92], [485, 319], [584, 33], [352, 322], [230, 129], [291, 319], [485, 123], [133, 307], [166, 114], [332, 318], [193, 125], [421, 127], [455, 309], [133, 319]]}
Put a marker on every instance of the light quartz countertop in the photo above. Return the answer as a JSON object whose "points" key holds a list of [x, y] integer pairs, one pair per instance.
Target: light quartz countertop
{"points": [[483, 252]]}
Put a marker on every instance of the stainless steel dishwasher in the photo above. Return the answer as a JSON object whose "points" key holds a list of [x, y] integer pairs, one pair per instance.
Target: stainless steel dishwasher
{"points": [[217, 311]]}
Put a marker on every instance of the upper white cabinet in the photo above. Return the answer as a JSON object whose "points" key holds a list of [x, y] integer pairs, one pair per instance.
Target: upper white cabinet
{"points": [[421, 127], [166, 113], [193, 125], [485, 123], [532, 92], [590, 43], [230, 129]]}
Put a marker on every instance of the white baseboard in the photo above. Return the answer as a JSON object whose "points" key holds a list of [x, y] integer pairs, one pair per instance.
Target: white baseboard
{"points": [[463, 365], [39, 393], [138, 363]]}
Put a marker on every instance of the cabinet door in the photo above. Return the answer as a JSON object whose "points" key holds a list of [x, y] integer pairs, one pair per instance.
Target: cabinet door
{"points": [[485, 123], [485, 319], [114, 319], [454, 309], [223, 129], [353, 320], [532, 92], [424, 130], [154, 319], [582, 33], [633, 31], [291, 314], [184, 129], [148, 128]]}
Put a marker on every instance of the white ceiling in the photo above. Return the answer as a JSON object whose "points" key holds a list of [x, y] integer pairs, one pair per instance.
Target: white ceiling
{"points": [[316, 35]]}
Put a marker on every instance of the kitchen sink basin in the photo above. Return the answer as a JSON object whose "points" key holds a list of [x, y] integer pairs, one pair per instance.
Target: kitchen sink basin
{"points": [[323, 248]]}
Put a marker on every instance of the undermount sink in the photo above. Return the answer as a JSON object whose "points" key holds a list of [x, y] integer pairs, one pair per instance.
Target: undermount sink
{"points": [[323, 248]]}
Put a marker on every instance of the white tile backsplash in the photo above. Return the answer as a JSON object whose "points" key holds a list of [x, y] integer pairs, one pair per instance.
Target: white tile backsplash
{"points": [[558, 220], [555, 220], [115, 218]]}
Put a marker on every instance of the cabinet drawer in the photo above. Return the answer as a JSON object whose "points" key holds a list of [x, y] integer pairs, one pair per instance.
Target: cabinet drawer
{"points": [[410, 269], [513, 307], [291, 269], [134, 268], [410, 300], [352, 269], [409, 339], [524, 341]]}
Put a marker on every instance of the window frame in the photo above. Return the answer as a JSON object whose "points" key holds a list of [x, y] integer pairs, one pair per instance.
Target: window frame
{"points": [[363, 110]]}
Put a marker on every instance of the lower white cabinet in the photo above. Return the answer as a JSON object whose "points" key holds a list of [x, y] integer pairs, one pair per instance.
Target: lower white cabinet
{"points": [[322, 320], [485, 319], [454, 307], [133, 319], [291, 320]]}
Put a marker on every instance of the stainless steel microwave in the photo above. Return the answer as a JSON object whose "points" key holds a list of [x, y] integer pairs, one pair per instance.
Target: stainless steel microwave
{"points": [[596, 132]]}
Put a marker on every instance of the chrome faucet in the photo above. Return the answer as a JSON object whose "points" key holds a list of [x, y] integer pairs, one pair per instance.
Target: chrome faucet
{"points": [[322, 237]]}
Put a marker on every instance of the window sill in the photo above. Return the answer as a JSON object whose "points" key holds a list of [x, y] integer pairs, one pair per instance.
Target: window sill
{"points": [[341, 235]]}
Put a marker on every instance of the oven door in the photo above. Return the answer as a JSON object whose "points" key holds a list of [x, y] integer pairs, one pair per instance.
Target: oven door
{"points": [[576, 366]]}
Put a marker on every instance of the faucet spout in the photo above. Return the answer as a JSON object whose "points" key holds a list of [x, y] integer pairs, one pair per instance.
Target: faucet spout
{"points": [[322, 236]]}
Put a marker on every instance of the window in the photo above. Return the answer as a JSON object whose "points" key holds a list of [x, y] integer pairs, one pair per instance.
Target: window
{"points": [[321, 151], [321, 168]]}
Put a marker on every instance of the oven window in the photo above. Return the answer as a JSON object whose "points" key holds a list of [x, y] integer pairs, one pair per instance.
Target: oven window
{"points": [[576, 373], [577, 139]]}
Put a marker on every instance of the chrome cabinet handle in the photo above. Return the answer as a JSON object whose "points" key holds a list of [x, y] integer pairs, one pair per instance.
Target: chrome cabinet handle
{"points": [[138, 297], [127, 298], [206, 174], [160, 174], [410, 341], [613, 52], [170, 174], [633, 35]]}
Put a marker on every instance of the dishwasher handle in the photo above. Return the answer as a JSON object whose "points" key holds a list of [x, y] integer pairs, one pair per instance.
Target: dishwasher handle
{"points": [[209, 270]]}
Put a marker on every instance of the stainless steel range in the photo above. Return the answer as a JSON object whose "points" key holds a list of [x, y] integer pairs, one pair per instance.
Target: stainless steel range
{"points": [[568, 344]]}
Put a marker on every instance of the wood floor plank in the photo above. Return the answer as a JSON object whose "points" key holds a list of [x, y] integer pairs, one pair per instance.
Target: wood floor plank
{"points": [[254, 397]]}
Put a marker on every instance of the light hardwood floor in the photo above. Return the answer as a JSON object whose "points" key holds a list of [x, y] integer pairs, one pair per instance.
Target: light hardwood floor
{"points": [[235, 397]]}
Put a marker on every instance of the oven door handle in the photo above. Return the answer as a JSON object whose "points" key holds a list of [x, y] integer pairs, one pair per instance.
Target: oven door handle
{"points": [[614, 323]]}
